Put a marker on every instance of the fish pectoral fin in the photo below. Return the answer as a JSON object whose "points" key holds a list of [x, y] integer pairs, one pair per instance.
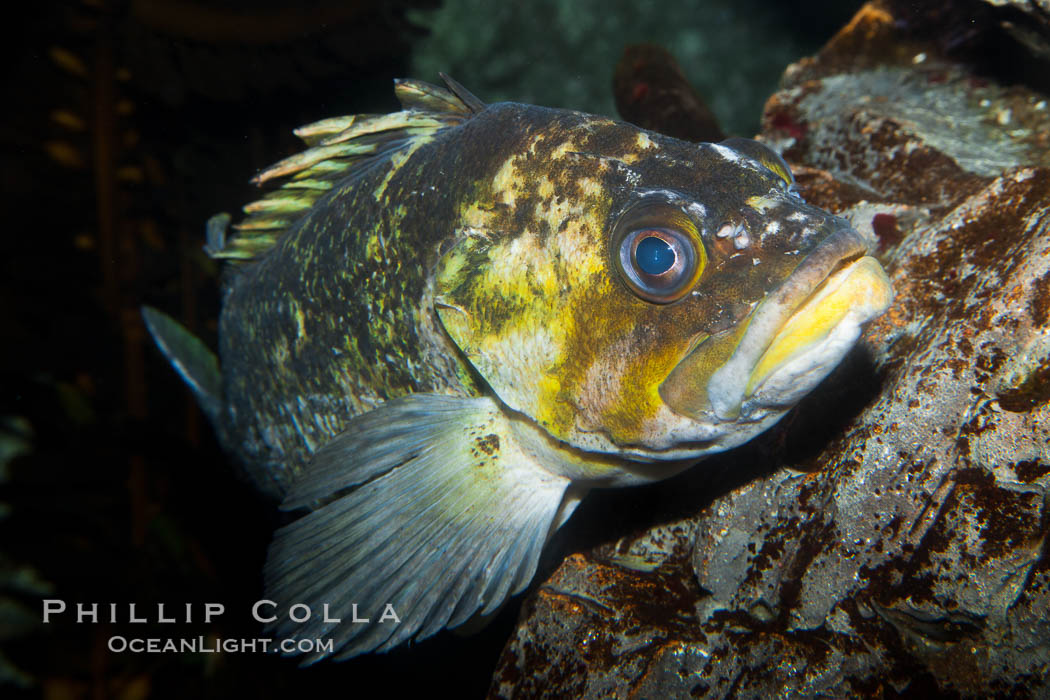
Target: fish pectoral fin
{"points": [[195, 363], [428, 504]]}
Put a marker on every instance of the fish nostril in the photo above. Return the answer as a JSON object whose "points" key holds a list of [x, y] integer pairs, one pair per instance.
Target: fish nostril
{"points": [[731, 237], [742, 239], [725, 231]]}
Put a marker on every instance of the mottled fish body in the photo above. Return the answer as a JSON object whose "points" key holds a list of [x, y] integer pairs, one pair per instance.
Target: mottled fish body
{"points": [[447, 324]]}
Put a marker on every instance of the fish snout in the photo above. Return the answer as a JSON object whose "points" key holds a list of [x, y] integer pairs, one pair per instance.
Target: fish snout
{"points": [[799, 332]]}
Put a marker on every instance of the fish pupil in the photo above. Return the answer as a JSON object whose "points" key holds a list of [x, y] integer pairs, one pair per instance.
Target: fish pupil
{"points": [[654, 255]]}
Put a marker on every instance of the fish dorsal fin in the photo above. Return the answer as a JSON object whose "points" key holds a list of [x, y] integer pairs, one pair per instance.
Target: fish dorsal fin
{"points": [[338, 148], [415, 94]]}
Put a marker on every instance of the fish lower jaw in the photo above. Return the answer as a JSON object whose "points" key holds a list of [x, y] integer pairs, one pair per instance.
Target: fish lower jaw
{"points": [[811, 343], [790, 382]]}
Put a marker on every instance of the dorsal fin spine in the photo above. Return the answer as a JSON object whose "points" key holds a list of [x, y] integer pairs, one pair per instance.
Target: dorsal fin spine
{"points": [[338, 147]]}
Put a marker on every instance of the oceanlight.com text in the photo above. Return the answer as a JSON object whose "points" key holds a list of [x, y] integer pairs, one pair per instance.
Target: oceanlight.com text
{"points": [[211, 645]]}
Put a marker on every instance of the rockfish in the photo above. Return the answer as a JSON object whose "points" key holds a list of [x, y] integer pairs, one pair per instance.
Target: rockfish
{"points": [[443, 326]]}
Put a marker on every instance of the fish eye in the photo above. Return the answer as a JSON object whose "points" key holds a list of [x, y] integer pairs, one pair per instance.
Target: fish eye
{"points": [[653, 254], [659, 264], [658, 252]]}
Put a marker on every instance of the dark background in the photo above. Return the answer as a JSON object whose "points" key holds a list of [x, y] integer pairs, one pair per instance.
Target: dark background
{"points": [[125, 126]]}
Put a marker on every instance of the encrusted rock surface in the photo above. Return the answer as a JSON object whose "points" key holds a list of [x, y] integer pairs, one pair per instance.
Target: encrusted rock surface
{"points": [[912, 553]]}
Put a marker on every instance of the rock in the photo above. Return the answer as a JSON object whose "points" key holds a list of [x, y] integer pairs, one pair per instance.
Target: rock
{"points": [[652, 92], [911, 553]]}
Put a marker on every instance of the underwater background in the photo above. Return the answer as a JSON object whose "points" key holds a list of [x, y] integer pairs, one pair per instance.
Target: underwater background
{"points": [[128, 124]]}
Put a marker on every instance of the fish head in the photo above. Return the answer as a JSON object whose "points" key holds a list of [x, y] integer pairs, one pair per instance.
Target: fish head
{"points": [[645, 297]]}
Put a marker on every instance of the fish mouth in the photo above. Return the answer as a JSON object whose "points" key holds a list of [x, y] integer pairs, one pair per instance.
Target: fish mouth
{"points": [[791, 341], [818, 334]]}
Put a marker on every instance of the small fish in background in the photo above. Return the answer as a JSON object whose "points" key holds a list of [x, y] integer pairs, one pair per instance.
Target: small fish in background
{"points": [[652, 92], [443, 326]]}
